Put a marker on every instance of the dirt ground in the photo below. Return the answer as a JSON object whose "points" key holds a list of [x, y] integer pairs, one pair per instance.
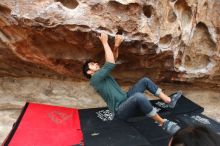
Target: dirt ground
{"points": [[15, 92]]}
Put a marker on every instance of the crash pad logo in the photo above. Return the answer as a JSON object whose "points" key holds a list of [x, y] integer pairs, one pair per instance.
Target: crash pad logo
{"points": [[105, 115], [58, 117], [162, 104], [201, 120], [157, 109]]}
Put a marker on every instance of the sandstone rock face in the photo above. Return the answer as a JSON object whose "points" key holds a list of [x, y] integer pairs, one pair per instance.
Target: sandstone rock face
{"points": [[166, 40]]}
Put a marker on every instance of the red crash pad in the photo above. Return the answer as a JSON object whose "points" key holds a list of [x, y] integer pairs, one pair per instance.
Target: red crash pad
{"points": [[46, 125]]}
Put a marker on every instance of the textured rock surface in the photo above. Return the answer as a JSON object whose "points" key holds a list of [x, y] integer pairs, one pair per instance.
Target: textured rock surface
{"points": [[169, 41]]}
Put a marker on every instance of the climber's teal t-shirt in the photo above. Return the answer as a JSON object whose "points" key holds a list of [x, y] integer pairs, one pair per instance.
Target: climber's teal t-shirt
{"points": [[107, 87]]}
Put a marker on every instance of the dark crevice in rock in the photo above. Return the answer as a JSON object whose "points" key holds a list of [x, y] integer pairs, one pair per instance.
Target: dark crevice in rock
{"points": [[117, 5], [132, 7], [147, 9], [4, 9], [121, 31], [166, 39], [72, 4], [149, 48], [141, 35], [205, 4]]}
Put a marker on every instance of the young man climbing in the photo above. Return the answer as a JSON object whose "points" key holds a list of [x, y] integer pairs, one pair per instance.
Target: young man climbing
{"points": [[124, 105]]}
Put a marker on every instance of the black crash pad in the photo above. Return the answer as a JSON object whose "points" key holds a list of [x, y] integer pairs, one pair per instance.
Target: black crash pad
{"points": [[99, 129]]}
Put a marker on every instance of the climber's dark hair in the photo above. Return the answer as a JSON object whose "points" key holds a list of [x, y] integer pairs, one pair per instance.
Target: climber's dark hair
{"points": [[195, 136], [85, 68]]}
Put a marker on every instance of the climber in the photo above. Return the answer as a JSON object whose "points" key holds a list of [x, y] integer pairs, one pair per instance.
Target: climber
{"points": [[124, 105]]}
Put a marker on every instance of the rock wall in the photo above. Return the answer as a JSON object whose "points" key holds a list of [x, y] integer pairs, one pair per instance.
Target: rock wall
{"points": [[166, 40]]}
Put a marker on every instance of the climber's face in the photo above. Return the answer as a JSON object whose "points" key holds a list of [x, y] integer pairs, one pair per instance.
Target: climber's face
{"points": [[93, 67]]}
